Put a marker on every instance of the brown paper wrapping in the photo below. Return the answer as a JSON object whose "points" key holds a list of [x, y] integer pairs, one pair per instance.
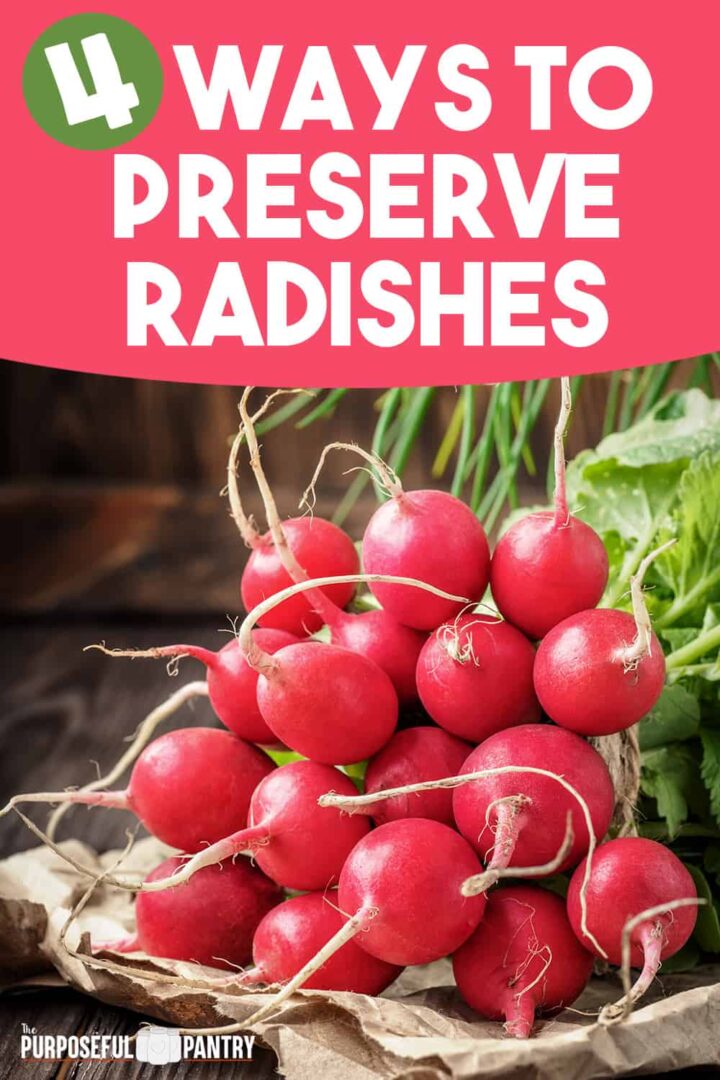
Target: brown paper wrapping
{"points": [[418, 1030]]}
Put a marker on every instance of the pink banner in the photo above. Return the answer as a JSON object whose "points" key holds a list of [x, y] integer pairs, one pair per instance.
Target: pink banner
{"points": [[471, 192]]}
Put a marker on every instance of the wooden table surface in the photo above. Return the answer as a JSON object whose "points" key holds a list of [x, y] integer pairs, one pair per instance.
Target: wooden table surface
{"points": [[60, 710]]}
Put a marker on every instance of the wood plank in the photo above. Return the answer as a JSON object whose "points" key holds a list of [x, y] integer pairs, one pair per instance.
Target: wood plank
{"points": [[135, 549], [65, 1012]]}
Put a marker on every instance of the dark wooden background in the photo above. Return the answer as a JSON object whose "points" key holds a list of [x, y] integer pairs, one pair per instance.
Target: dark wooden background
{"points": [[112, 527]]}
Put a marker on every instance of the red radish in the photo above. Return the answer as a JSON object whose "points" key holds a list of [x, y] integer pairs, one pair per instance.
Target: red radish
{"points": [[519, 820], [549, 565], [231, 682], [412, 755], [292, 839], [291, 934], [374, 634], [322, 549], [378, 636], [475, 677], [326, 703], [601, 671], [210, 921], [402, 883], [427, 535], [410, 873], [522, 960], [639, 881], [431, 536], [189, 787]]}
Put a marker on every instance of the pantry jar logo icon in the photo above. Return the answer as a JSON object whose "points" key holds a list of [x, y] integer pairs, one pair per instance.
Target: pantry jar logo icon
{"points": [[92, 81]]}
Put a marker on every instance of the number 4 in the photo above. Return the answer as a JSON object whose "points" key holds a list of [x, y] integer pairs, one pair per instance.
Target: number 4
{"points": [[113, 99]]}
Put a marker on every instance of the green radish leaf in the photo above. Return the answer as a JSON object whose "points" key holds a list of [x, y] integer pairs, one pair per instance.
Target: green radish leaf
{"points": [[675, 718], [629, 488], [690, 569], [671, 776], [710, 768], [707, 928]]}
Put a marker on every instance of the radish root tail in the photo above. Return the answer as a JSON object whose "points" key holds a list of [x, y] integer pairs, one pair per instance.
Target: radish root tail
{"points": [[652, 922], [263, 662], [352, 927], [480, 883]]}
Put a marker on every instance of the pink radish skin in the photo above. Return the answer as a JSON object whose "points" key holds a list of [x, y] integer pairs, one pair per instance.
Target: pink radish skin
{"points": [[292, 933], [232, 683], [412, 756], [293, 840], [211, 920], [583, 681], [192, 787], [322, 550], [524, 938], [475, 677], [433, 537], [378, 636], [549, 565], [628, 876], [520, 820], [331, 705], [403, 880], [543, 571]]}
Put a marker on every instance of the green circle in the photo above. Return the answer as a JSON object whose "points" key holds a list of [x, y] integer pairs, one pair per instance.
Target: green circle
{"points": [[137, 63]]}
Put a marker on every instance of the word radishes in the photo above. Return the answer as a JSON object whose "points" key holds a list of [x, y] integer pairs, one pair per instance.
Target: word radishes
{"points": [[474, 677], [640, 891], [212, 920], [291, 934], [549, 564], [522, 960]]}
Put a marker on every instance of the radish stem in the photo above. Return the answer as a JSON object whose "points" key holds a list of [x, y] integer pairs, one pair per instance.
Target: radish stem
{"points": [[642, 645], [561, 505], [388, 477], [264, 663]]}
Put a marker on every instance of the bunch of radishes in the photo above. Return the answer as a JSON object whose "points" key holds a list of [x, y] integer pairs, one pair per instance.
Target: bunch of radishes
{"points": [[487, 790]]}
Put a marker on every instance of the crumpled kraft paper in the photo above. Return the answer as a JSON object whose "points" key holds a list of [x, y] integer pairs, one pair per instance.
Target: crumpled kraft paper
{"points": [[418, 1030]]}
